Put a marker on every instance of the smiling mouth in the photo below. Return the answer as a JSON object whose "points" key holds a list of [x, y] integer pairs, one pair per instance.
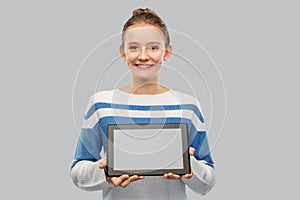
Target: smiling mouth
{"points": [[144, 66]]}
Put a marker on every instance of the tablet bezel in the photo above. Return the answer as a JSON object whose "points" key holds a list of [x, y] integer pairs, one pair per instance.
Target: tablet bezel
{"points": [[111, 172]]}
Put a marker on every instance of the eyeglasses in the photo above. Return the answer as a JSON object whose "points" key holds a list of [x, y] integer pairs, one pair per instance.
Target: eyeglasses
{"points": [[149, 49]]}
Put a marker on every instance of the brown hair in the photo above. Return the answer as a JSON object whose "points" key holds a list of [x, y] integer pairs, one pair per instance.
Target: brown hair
{"points": [[147, 16]]}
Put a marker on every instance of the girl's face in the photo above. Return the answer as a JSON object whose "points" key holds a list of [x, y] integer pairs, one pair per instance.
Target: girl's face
{"points": [[144, 51]]}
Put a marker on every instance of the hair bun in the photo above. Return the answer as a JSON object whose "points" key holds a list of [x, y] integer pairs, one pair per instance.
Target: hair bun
{"points": [[140, 11]]}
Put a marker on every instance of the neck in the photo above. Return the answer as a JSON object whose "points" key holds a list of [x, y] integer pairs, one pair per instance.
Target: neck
{"points": [[149, 88], [139, 86], [145, 88]]}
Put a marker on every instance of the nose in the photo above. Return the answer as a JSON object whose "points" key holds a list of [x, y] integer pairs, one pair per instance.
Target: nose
{"points": [[143, 54]]}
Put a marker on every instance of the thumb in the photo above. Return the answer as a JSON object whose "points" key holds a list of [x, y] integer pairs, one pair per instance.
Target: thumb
{"points": [[103, 164], [192, 151]]}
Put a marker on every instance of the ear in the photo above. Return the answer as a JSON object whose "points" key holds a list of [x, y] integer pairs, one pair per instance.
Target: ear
{"points": [[168, 52], [122, 52]]}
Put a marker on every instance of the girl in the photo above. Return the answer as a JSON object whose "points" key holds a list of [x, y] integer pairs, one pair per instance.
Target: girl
{"points": [[145, 46]]}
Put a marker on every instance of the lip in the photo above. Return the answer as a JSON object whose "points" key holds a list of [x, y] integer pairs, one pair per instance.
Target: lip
{"points": [[144, 66]]}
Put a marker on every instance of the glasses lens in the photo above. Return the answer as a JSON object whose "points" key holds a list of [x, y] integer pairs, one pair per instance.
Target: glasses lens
{"points": [[149, 49]]}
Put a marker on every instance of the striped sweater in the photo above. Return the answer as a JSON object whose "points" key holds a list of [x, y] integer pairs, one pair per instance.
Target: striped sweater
{"points": [[118, 107]]}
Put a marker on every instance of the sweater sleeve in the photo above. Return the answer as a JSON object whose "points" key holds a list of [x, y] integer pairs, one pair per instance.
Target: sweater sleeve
{"points": [[203, 179], [85, 171], [86, 175], [202, 164]]}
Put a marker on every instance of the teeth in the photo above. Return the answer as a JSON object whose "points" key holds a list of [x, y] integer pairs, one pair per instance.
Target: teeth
{"points": [[144, 66]]}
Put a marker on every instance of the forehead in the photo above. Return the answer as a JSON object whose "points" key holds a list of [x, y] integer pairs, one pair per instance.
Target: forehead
{"points": [[143, 33]]}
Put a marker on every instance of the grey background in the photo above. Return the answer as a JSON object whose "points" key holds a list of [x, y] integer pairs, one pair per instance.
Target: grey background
{"points": [[254, 43]]}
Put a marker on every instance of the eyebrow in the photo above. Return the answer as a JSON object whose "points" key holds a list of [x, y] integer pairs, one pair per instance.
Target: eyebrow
{"points": [[132, 43]]}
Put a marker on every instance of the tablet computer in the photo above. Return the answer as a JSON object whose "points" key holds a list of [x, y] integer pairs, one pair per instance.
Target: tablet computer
{"points": [[147, 149]]}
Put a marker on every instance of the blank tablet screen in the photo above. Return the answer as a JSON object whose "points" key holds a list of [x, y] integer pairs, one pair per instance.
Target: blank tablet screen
{"points": [[148, 150]]}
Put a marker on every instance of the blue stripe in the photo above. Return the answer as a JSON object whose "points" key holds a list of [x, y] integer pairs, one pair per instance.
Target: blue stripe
{"points": [[89, 145], [91, 140], [202, 151], [102, 105], [76, 161]]}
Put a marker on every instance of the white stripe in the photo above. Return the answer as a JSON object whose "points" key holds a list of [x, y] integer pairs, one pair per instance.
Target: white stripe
{"points": [[117, 97], [105, 112]]}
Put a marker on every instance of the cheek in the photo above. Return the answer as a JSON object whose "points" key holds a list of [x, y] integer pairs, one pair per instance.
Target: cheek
{"points": [[158, 58], [130, 57]]}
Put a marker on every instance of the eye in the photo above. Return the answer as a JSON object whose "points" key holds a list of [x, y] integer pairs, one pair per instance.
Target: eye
{"points": [[133, 48], [154, 48]]}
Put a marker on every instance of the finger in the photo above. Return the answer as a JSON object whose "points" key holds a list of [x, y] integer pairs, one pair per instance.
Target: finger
{"points": [[129, 180], [192, 151], [114, 181], [102, 166], [176, 176], [188, 176], [125, 183], [172, 176], [118, 180], [136, 177]]}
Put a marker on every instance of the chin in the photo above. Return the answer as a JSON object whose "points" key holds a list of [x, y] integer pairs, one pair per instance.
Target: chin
{"points": [[147, 78]]}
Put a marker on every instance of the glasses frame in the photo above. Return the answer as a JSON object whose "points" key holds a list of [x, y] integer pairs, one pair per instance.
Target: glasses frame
{"points": [[148, 48]]}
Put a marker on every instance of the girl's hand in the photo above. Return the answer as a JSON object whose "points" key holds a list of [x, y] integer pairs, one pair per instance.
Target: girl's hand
{"points": [[176, 176], [121, 181]]}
